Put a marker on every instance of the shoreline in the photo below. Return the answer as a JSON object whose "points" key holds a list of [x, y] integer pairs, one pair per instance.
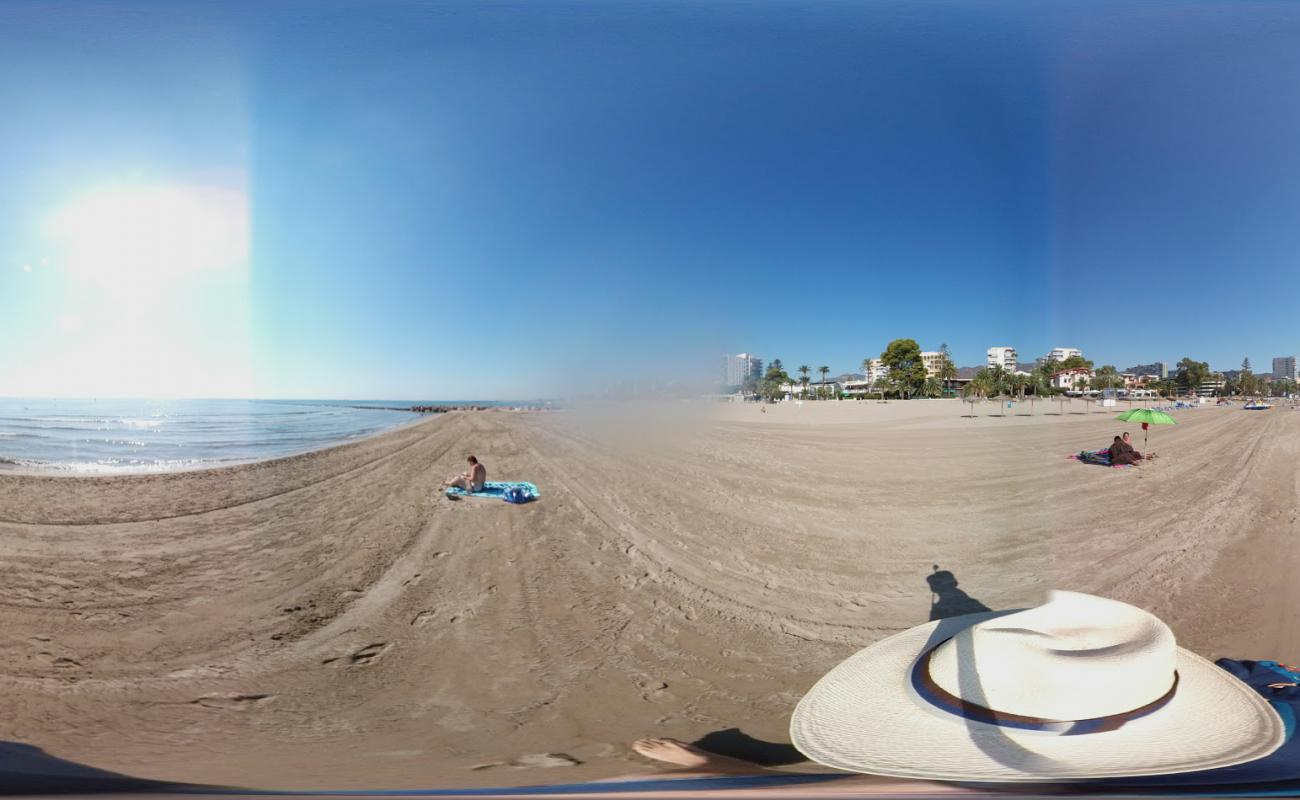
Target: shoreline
{"points": [[55, 470], [20, 466]]}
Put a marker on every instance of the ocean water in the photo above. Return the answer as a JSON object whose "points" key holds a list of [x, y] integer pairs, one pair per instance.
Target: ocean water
{"points": [[159, 435]]}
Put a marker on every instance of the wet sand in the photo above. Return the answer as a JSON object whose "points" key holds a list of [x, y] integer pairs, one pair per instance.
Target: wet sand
{"points": [[330, 621]]}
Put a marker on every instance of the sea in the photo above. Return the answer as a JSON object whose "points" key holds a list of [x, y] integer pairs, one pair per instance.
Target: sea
{"points": [[108, 436]]}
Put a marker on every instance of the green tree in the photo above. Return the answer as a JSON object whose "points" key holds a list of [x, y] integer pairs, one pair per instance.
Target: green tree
{"points": [[933, 387], [822, 390], [999, 385], [1107, 377], [773, 380], [1018, 383], [947, 369], [1247, 383], [976, 389], [803, 378], [1040, 387], [1075, 362], [1191, 374], [906, 369]]}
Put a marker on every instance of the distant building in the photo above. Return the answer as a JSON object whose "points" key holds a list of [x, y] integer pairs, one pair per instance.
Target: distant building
{"points": [[1211, 386], [1062, 353], [876, 370], [1004, 357], [1158, 369], [738, 369], [1066, 378], [1284, 368], [933, 361], [814, 387]]}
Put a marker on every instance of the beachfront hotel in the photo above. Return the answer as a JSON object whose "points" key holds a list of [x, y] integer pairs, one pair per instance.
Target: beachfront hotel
{"points": [[1004, 357], [1284, 368], [876, 370], [738, 369], [933, 362]]}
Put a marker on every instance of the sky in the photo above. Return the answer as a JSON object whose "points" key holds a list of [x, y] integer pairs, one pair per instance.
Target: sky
{"points": [[487, 200]]}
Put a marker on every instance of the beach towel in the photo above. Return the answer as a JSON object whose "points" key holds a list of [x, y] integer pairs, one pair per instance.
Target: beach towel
{"points": [[496, 490], [1100, 458]]}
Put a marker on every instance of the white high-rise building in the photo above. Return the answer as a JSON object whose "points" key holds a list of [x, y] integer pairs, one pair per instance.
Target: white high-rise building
{"points": [[1062, 353], [876, 369], [738, 369], [1004, 357], [933, 361], [1284, 368]]}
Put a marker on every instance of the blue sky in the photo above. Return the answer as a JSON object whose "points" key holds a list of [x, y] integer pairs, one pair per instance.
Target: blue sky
{"points": [[500, 200]]}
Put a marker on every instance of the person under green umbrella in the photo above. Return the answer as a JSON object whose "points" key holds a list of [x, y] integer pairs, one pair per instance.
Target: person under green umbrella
{"points": [[1148, 417]]}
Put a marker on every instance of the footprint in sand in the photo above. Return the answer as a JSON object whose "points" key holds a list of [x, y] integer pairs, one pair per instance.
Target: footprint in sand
{"points": [[360, 658], [533, 760], [423, 618], [237, 702]]}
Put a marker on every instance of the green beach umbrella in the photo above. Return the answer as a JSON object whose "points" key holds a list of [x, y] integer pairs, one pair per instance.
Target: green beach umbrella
{"points": [[1148, 417]]}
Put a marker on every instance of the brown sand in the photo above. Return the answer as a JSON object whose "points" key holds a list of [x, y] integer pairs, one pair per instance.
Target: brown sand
{"points": [[329, 621]]}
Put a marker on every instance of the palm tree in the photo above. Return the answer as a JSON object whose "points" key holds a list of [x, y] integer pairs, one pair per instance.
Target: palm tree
{"points": [[932, 387], [974, 390], [823, 371], [803, 379], [1017, 383], [1035, 381], [947, 370]]}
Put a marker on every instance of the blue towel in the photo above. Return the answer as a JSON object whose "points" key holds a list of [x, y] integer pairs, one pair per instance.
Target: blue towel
{"points": [[495, 489]]}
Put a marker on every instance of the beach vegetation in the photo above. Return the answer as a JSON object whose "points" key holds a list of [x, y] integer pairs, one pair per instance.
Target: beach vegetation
{"points": [[774, 381], [906, 369], [947, 369], [1191, 374], [975, 390]]}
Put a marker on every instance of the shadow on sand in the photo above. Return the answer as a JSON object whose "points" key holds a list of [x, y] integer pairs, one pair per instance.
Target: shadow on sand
{"points": [[736, 743], [28, 770], [946, 600]]}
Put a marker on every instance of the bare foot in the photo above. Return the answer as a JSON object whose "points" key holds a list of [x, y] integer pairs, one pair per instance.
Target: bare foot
{"points": [[692, 758]]}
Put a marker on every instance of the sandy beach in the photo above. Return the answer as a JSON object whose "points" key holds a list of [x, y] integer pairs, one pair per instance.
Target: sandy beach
{"points": [[330, 621]]}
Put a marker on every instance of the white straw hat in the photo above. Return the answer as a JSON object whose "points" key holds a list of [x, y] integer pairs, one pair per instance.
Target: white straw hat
{"points": [[1080, 687]]}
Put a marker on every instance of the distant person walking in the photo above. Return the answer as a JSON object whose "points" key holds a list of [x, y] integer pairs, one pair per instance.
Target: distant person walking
{"points": [[472, 480]]}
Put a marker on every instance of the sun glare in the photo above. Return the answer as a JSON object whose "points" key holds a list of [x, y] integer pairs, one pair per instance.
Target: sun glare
{"points": [[119, 235], [148, 293]]}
